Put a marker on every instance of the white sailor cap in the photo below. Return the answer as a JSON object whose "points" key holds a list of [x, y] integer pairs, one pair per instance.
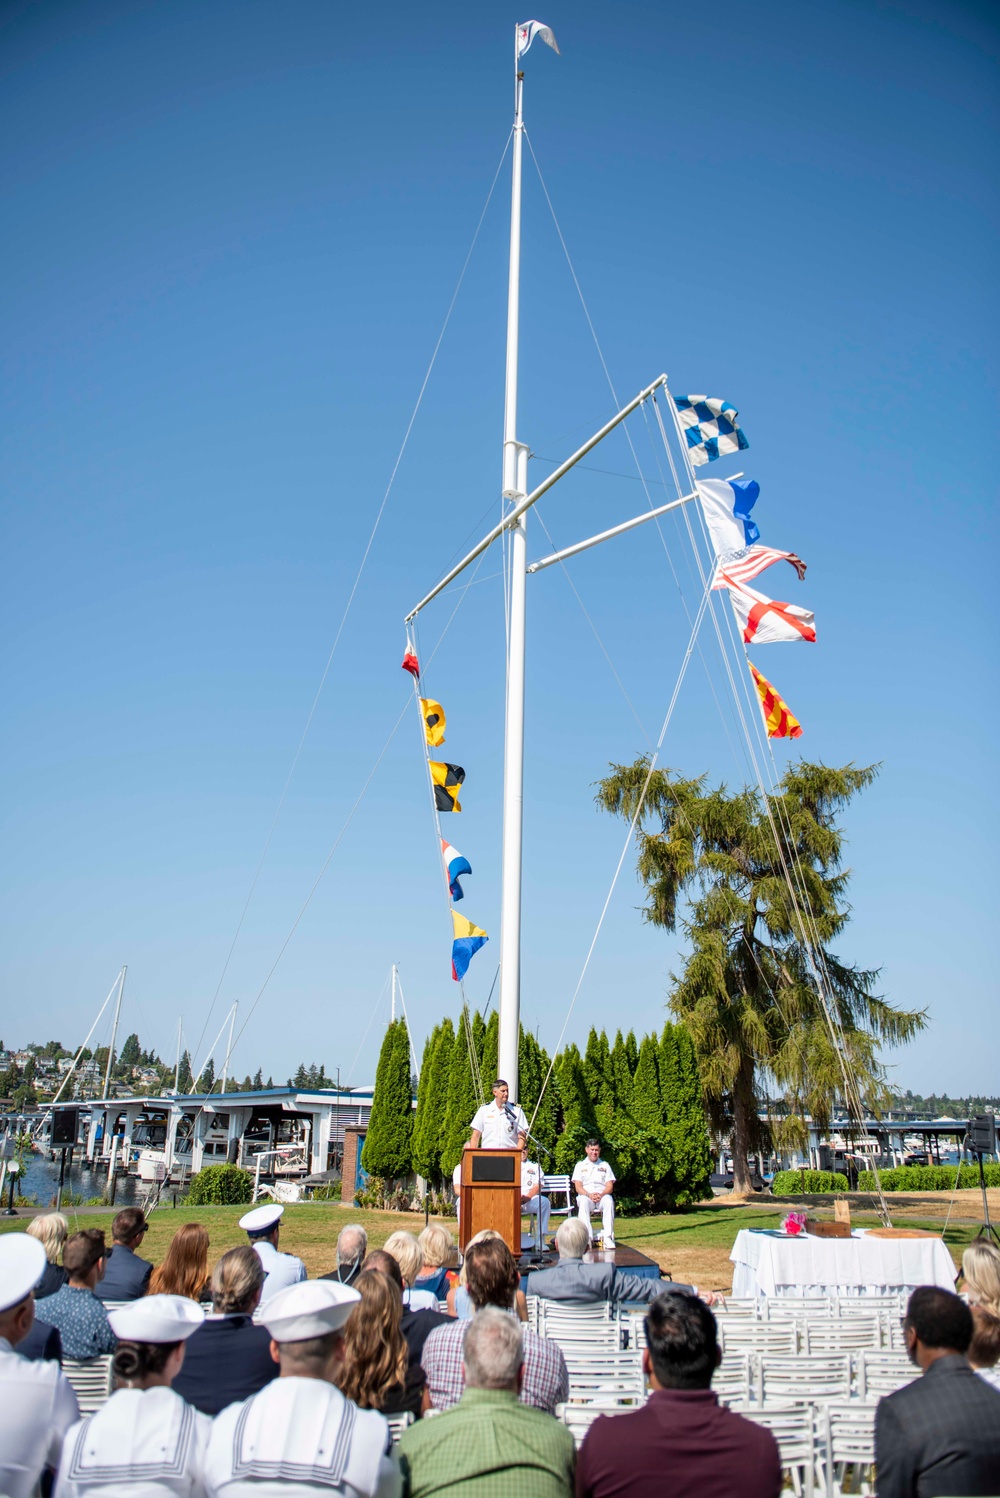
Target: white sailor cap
{"points": [[157, 1318], [309, 1309], [22, 1264], [261, 1219]]}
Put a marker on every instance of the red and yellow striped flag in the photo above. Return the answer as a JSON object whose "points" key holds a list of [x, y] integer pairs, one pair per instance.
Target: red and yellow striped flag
{"points": [[781, 722]]}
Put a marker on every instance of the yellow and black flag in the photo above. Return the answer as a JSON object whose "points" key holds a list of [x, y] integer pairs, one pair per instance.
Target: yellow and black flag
{"points": [[448, 781], [434, 721]]}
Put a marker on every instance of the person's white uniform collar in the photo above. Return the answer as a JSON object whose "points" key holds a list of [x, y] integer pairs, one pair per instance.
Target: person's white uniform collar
{"points": [[141, 1436]]}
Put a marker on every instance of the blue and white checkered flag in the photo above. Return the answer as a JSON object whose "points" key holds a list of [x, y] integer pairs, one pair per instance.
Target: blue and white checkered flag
{"points": [[710, 427]]}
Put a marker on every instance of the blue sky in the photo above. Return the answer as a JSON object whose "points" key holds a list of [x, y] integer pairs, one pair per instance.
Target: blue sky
{"points": [[233, 233]]}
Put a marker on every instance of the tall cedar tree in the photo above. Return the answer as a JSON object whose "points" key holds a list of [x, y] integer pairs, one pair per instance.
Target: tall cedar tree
{"points": [[600, 1082], [184, 1077], [489, 1052], [655, 1157], [387, 1151], [463, 1099], [578, 1122], [207, 1079], [690, 1147], [426, 1122], [747, 991], [533, 1066]]}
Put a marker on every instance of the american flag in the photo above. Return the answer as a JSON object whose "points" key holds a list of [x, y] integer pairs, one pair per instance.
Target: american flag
{"points": [[741, 566]]}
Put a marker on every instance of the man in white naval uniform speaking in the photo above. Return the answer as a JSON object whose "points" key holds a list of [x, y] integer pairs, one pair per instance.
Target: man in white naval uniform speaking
{"points": [[300, 1435], [261, 1227], [500, 1125], [37, 1403]]}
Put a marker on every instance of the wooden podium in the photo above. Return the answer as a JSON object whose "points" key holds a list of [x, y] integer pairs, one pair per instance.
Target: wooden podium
{"points": [[490, 1196]]}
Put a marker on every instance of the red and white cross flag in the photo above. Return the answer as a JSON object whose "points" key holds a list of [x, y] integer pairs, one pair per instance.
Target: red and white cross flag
{"points": [[766, 621], [527, 32]]}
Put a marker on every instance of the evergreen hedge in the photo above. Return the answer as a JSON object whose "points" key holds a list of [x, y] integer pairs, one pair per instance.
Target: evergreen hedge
{"points": [[220, 1186], [928, 1177], [388, 1149], [808, 1182]]}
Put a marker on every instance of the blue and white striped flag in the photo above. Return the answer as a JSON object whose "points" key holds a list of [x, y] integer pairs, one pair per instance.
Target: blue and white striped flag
{"points": [[709, 426]]}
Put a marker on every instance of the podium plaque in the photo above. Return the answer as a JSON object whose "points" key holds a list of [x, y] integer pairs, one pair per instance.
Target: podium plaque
{"points": [[490, 1196]]}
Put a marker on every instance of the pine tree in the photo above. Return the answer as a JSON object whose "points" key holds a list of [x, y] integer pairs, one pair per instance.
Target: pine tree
{"points": [[575, 1107], [443, 1059], [131, 1053], [426, 1152], [185, 1080], [463, 1099], [623, 1134], [258, 1082], [533, 1066], [207, 1079], [600, 1084], [388, 1144], [653, 1154], [684, 1109], [489, 1051]]}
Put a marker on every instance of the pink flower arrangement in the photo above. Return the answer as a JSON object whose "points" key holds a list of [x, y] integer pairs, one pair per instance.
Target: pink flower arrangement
{"points": [[795, 1223]]}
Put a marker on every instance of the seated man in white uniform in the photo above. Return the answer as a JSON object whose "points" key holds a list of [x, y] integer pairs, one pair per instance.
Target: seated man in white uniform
{"points": [[500, 1125], [146, 1442], [532, 1200], [262, 1227], [593, 1182], [37, 1403], [300, 1435]]}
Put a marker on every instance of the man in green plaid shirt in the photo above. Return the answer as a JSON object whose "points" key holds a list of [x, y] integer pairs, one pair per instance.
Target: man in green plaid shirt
{"points": [[489, 1445]]}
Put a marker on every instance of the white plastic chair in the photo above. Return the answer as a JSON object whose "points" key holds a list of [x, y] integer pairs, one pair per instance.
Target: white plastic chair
{"points": [[91, 1380], [558, 1186], [741, 1334], [398, 1423], [850, 1448], [578, 1418], [883, 1372], [606, 1377], [732, 1381], [778, 1306], [794, 1429], [804, 1377], [842, 1334], [738, 1305]]}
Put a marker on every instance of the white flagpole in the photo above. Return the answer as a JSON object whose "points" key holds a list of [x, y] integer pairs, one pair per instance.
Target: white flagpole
{"points": [[515, 488]]}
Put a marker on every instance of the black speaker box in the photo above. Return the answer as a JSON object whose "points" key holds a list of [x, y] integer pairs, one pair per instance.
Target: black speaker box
{"points": [[65, 1124], [981, 1138]]}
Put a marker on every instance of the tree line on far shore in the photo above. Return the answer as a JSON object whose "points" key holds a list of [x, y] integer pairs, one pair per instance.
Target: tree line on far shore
{"points": [[642, 1098]]}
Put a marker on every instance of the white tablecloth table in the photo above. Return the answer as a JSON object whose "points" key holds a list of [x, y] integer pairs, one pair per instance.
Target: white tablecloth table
{"points": [[766, 1265]]}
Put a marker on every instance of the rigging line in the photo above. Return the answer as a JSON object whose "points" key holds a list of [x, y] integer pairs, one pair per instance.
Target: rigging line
{"points": [[633, 478], [604, 652], [375, 1008], [812, 944], [354, 587], [628, 840]]}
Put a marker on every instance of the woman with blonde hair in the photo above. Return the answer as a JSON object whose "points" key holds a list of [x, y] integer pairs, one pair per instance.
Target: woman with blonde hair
{"points": [[981, 1273], [51, 1230], [459, 1300], [184, 1270], [376, 1372], [438, 1248], [404, 1248]]}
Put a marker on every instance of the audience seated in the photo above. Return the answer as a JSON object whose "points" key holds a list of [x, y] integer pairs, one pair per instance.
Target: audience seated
{"points": [[438, 1249], [43, 1343], [492, 1280], [458, 1299], [377, 1373], [984, 1349], [577, 1283], [981, 1273], [145, 1440], [941, 1433], [184, 1270], [51, 1229], [408, 1254], [76, 1312], [299, 1435], [126, 1276], [701, 1448], [416, 1326], [37, 1404], [228, 1358], [490, 1442], [352, 1245]]}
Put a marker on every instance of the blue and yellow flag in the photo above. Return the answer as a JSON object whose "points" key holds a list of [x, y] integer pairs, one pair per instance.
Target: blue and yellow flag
{"points": [[468, 940]]}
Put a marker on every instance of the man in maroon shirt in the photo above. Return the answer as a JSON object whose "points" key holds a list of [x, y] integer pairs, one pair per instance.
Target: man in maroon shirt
{"points": [[682, 1443]]}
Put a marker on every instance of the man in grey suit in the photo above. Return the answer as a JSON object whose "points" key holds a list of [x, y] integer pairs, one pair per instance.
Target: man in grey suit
{"points": [[126, 1276], [941, 1434], [577, 1283]]}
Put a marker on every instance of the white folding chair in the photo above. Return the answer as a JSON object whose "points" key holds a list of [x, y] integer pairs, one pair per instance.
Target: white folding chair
{"points": [[578, 1418], [883, 1372], [398, 1423], [794, 1429], [778, 1306], [113, 1305], [850, 1448], [91, 1380], [865, 1305], [606, 1378], [742, 1335], [737, 1305], [733, 1380], [803, 1377], [842, 1334], [558, 1186]]}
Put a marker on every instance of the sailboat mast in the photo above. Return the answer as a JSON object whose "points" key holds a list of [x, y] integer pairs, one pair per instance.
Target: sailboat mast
{"points": [[114, 1030], [515, 488]]}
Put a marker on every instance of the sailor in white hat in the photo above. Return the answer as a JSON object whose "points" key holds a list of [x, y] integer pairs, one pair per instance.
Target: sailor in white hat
{"points": [[146, 1442], [37, 1403], [300, 1435], [262, 1226]]}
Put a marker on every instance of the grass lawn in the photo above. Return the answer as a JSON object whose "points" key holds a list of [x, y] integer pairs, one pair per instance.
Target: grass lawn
{"points": [[693, 1245]]}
